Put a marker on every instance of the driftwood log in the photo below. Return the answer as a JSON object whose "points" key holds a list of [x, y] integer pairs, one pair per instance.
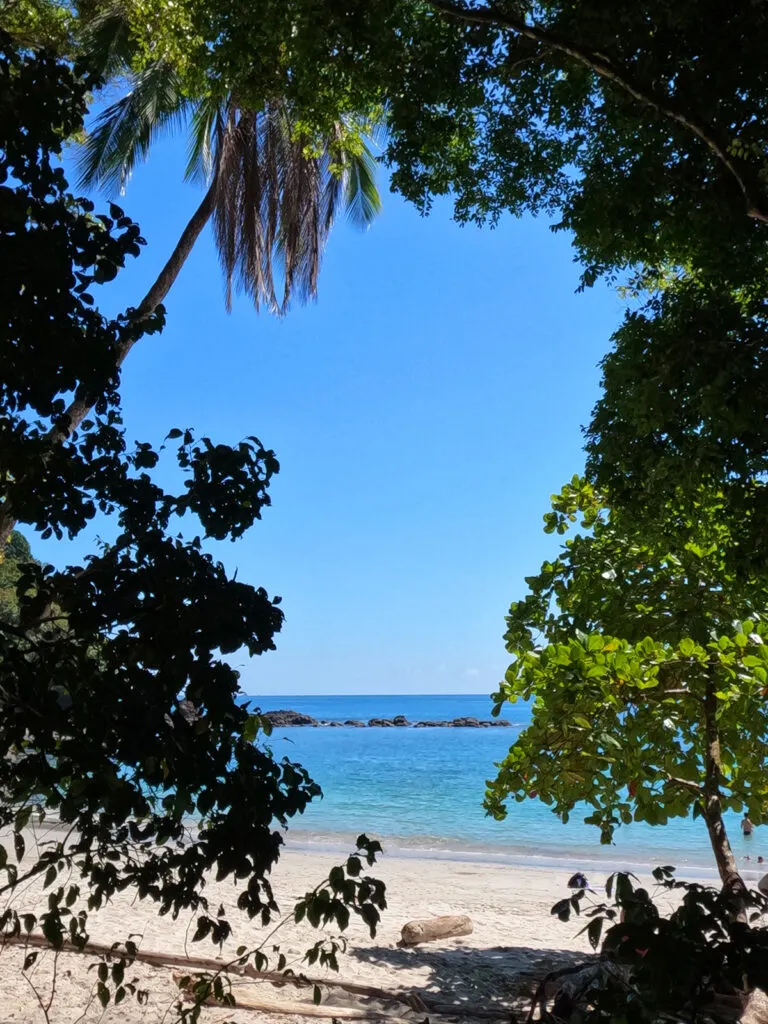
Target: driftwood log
{"points": [[444, 927]]}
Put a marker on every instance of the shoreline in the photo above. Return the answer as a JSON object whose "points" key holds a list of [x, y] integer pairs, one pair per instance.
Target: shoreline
{"points": [[599, 861]]}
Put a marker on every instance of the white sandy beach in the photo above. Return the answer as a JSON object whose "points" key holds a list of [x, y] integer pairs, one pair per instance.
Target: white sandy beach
{"points": [[515, 942]]}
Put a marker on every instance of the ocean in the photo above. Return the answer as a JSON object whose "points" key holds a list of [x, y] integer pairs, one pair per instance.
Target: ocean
{"points": [[420, 792]]}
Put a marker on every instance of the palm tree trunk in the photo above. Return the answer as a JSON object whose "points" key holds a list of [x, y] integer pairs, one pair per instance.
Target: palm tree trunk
{"points": [[80, 408]]}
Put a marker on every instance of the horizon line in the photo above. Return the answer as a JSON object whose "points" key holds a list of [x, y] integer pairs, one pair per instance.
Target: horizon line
{"points": [[481, 693]]}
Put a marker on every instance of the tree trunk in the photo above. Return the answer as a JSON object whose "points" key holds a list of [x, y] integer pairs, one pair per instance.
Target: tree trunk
{"points": [[80, 408], [713, 811]]}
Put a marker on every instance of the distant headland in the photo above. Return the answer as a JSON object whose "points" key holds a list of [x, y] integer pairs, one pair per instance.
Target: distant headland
{"points": [[285, 718]]}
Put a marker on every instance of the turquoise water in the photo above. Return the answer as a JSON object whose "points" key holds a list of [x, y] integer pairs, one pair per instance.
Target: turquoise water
{"points": [[420, 792]]}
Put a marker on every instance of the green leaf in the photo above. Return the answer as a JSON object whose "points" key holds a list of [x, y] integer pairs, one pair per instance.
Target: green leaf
{"points": [[594, 931]]}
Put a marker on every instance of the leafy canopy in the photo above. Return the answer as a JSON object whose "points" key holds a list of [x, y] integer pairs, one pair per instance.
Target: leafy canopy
{"points": [[619, 643], [639, 128], [572, 106]]}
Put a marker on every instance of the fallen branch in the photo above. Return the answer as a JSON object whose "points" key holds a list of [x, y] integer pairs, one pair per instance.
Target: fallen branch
{"points": [[156, 958], [305, 1009], [362, 1013]]}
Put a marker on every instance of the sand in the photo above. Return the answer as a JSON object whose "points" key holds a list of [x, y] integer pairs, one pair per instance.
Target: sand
{"points": [[515, 942]]}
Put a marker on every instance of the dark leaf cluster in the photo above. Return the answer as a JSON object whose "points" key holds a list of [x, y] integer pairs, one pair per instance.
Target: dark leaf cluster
{"points": [[697, 964]]}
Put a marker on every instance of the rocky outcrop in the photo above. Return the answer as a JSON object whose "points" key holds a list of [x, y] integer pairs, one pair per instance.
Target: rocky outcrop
{"points": [[283, 718]]}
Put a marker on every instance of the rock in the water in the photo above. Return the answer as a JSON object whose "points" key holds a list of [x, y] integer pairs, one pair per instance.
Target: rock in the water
{"points": [[284, 718], [505, 723]]}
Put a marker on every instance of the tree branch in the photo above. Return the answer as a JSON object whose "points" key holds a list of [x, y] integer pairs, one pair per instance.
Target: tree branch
{"points": [[685, 784], [605, 67]]}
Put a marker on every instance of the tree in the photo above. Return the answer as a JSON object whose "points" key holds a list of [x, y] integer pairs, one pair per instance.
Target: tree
{"points": [[272, 191], [39, 23], [118, 708], [648, 671]]}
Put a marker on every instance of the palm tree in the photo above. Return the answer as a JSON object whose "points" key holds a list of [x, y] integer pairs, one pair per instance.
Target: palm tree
{"points": [[271, 197]]}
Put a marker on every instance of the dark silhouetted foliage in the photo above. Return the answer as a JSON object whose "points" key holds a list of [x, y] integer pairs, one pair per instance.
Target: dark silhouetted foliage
{"points": [[697, 964], [119, 712]]}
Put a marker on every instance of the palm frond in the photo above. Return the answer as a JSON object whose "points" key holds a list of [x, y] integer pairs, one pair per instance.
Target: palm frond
{"points": [[237, 211], [333, 174], [105, 41], [276, 200], [269, 212], [375, 128], [123, 133], [361, 194], [205, 124]]}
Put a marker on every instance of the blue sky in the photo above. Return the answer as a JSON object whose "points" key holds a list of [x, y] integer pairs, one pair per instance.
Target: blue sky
{"points": [[423, 410]]}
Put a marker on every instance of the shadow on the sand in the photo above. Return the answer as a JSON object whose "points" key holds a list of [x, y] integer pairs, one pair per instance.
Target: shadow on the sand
{"points": [[460, 975]]}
